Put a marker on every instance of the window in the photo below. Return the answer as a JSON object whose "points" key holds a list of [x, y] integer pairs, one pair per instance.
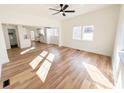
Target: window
{"points": [[77, 33], [87, 32], [53, 32]]}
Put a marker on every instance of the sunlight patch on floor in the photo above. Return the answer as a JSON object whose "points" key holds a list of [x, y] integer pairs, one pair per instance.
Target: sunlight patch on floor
{"points": [[97, 76], [50, 57], [27, 50], [35, 62], [43, 70], [45, 66], [44, 53]]}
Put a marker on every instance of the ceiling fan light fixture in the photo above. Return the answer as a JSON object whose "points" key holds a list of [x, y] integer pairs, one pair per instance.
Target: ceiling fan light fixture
{"points": [[63, 14], [62, 10]]}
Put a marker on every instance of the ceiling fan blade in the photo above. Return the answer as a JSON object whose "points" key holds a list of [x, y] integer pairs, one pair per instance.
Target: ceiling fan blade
{"points": [[63, 14], [53, 9], [66, 6], [61, 5], [56, 13], [69, 11]]}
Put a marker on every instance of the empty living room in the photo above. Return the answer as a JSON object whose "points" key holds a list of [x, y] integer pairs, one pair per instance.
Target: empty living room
{"points": [[61, 46]]}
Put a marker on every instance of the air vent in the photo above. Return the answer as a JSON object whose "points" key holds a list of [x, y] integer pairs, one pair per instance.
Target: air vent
{"points": [[6, 83]]}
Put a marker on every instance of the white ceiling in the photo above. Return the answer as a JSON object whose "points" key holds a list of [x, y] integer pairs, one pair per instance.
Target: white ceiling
{"points": [[43, 9]]}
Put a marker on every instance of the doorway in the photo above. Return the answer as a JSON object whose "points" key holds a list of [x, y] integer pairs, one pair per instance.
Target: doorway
{"points": [[12, 38]]}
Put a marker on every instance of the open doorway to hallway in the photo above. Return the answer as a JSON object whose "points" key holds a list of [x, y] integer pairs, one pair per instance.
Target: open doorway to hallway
{"points": [[12, 38], [11, 35]]}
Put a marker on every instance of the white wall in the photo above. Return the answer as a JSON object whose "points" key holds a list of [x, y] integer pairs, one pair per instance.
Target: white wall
{"points": [[3, 52], [104, 20], [24, 42], [6, 35], [118, 67]]}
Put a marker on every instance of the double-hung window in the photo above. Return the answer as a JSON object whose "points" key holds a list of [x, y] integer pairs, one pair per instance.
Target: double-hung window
{"points": [[77, 33], [83, 32], [87, 33]]}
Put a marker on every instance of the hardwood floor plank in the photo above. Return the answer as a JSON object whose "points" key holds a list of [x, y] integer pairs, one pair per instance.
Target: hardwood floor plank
{"points": [[67, 69]]}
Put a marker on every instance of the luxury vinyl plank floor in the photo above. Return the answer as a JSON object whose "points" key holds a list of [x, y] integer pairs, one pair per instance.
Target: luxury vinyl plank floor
{"points": [[70, 68]]}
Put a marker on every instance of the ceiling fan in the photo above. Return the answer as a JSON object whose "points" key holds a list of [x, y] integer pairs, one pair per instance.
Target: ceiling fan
{"points": [[62, 10]]}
